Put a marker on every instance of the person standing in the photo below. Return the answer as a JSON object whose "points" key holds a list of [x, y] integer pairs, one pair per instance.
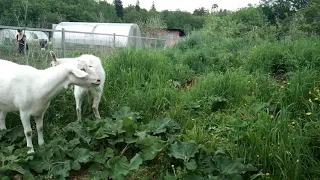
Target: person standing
{"points": [[22, 43]]}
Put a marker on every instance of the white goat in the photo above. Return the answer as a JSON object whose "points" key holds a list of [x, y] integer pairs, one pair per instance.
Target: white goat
{"points": [[30, 91], [95, 64]]}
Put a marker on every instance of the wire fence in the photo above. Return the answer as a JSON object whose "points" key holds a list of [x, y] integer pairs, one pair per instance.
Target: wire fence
{"points": [[67, 44]]}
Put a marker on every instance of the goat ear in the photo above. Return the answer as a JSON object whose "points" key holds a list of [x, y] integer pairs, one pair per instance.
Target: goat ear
{"points": [[77, 72], [53, 55]]}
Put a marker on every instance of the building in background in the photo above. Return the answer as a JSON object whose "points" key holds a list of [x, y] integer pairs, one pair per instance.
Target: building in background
{"points": [[173, 36]]}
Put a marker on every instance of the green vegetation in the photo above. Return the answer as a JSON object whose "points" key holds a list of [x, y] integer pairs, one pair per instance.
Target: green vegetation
{"points": [[42, 14], [238, 99]]}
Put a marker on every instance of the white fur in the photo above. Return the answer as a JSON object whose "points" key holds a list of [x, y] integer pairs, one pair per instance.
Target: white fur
{"points": [[29, 91], [79, 91]]}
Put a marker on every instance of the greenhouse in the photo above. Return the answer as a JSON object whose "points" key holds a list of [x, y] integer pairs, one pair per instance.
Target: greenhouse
{"points": [[96, 34]]}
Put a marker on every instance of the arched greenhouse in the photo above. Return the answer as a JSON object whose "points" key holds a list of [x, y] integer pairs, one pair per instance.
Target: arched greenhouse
{"points": [[84, 34]]}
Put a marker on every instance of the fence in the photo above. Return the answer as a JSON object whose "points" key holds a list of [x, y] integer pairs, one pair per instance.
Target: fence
{"points": [[68, 43]]}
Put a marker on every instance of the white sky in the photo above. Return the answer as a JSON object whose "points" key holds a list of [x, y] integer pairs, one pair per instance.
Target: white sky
{"points": [[189, 5]]}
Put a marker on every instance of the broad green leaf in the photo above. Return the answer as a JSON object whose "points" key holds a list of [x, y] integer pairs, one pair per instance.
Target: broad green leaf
{"points": [[150, 146], [99, 175], [9, 149], [102, 133], [162, 125], [3, 132], [117, 127], [193, 176], [220, 151], [108, 128], [128, 125], [5, 177], [234, 177], [11, 158], [191, 165], [125, 112], [42, 160], [75, 165], [96, 167], [141, 134], [94, 125], [39, 165], [183, 150], [60, 170], [73, 143], [115, 141], [79, 131], [135, 162], [249, 167], [214, 178], [14, 134], [11, 166], [131, 140], [28, 177], [102, 156], [44, 153], [205, 163], [98, 172], [119, 167], [80, 154], [228, 166]]}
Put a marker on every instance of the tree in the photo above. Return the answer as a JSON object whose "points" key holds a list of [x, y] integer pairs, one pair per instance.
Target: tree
{"points": [[152, 27], [200, 11], [137, 7], [119, 8], [182, 19], [131, 15], [214, 7], [309, 18], [153, 7], [282, 9]]}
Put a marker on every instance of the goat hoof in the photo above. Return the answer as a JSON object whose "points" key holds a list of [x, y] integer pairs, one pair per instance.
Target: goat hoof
{"points": [[30, 151]]}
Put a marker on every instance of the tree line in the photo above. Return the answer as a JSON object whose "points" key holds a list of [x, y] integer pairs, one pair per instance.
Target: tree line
{"points": [[35, 13]]}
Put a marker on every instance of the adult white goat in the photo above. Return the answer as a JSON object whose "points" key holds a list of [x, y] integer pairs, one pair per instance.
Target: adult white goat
{"points": [[30, 91], [79, 91]]}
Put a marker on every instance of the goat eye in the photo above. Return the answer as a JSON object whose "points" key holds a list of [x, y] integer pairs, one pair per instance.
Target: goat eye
{"points": [[83, 70], [90, 66]]}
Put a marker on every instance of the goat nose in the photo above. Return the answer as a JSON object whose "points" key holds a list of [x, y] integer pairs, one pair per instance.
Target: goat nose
{"points": [[98, 80]]}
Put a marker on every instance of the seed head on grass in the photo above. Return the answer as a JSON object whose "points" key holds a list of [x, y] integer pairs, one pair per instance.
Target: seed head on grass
{"points": [[310, 100], [285, 82]]}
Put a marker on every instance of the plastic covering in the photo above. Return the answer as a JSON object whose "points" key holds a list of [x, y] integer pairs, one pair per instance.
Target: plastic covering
{"points": [[101, 34]]}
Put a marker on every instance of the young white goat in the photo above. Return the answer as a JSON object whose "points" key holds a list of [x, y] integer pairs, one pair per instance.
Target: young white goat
{"points": [[30, 91], [79, 91]]}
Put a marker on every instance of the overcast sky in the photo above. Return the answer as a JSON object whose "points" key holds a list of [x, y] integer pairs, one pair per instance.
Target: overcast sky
{"points": [[189, 5]]}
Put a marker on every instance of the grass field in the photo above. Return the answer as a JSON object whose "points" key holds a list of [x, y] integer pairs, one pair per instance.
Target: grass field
{"points": [[216, 106]]}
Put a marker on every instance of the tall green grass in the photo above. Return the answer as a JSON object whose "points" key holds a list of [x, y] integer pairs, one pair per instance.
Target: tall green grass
{"points": [[238, 102]]}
